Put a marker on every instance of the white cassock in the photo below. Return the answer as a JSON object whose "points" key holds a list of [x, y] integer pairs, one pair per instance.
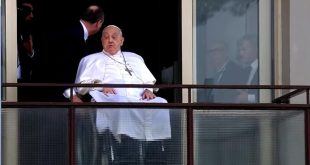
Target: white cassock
{"points": [[148, 124]]}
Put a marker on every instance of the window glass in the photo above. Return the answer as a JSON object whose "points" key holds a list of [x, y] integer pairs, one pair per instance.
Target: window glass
{"points": [[298, 50], [227, 49], [249, 137]]}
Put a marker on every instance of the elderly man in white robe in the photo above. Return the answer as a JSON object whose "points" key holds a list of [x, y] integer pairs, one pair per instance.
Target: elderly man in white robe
{"points": [[138, 134]]}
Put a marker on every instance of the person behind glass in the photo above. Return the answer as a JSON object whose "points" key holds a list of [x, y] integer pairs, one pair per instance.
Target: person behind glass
{"points": [[248, 57], [62, 50], [25, 44], [138, 136], [227, 72]]}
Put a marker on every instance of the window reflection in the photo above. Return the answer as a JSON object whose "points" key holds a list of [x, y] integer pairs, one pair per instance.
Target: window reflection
{"points": [[227, 49]]}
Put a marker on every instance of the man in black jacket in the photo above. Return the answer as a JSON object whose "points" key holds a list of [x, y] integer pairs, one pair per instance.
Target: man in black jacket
{"points": [[248, 57], [25, 47], [227, 72], [45, 131], [62, 50]]}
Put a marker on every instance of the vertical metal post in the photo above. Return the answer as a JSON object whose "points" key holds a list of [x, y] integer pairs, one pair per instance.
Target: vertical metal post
{"points": [[71, 130], [189, 121], [307, 131], [307, 138]]}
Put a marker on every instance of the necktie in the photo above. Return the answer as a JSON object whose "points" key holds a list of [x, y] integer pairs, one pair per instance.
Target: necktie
{"points": [[218, 76], [251, 75]]}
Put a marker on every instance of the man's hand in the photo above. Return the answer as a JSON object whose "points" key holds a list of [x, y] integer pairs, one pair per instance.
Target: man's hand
{"points": [[242, 97], [107, 91], [76, 99], [148, 95]]}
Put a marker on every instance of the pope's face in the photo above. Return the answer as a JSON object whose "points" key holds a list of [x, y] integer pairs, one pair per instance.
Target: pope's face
{"points": [[112, 40]]}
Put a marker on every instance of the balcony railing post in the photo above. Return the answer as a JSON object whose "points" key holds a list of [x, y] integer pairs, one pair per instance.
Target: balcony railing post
{"points": [[190, 143], [190, 139], [307, 130], [307, 138], [71, 136]]}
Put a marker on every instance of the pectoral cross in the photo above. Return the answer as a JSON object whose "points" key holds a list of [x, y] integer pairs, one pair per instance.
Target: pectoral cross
{"points": [[128, 70]]}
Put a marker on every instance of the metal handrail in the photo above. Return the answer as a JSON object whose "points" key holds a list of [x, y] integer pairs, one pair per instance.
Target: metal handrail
{"points": [[298, 89], [188, 86]]}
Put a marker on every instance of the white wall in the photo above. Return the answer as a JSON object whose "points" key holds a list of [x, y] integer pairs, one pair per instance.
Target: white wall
{"points": [[299, 43]]}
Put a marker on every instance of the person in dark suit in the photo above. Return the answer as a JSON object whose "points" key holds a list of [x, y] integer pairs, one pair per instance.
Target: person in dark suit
{"points": [[62, 50], [248, 57], [25, 47], [227, 72]]}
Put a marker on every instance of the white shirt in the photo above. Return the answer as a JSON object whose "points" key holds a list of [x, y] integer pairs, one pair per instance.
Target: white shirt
{"points": [[85, 31], [219, 73], [149, 124], [254, 67]]}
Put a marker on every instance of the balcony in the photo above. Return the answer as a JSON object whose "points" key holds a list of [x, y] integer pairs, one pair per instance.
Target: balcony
{"points": [[267, 132]]}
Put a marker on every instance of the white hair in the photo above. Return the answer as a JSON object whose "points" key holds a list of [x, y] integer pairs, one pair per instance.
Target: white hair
{"points": [[120, 30]]}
